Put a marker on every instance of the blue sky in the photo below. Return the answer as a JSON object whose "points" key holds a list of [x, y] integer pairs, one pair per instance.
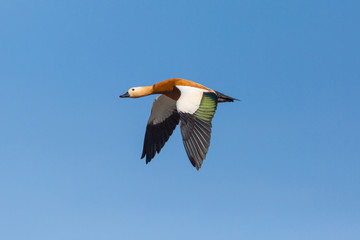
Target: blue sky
{"points": [[283, 163]]}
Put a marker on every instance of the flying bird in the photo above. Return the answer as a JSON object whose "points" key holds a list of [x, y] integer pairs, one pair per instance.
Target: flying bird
{"points": [[184, 101]]}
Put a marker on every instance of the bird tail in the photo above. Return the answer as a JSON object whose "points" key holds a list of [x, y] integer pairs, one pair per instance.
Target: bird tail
{"points": [[223, 98]]}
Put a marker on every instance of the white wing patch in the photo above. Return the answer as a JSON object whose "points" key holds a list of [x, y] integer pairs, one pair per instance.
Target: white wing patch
{"points": [[162, 108], [190, 99]]}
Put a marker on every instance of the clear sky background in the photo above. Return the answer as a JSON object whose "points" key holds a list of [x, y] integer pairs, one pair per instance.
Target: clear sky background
{"points": [[283, 163]]}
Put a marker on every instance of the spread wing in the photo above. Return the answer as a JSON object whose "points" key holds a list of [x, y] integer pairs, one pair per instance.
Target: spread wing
{"points": [[196, 109], [162, 122]]}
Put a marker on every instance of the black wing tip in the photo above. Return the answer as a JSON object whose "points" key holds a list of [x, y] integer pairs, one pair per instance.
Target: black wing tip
{"points": [[195, 164], [198, 163], [148, 157]]}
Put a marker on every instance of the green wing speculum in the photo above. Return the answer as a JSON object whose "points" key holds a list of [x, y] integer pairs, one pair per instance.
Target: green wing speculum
{"points": [[207, 107]]}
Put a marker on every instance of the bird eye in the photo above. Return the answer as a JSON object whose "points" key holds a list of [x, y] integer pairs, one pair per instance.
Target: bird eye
{"points": [[133, 89]]}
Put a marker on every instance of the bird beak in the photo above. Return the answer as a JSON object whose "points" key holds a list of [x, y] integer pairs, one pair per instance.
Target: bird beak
{"points": [[125, 95]]}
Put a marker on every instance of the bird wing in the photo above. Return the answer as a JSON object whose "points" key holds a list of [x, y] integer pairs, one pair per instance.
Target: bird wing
{"points": [[196, 108], [162, 122]]}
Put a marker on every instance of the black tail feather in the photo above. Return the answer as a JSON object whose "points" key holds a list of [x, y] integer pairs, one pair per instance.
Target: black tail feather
{"points": [[223, 98]]}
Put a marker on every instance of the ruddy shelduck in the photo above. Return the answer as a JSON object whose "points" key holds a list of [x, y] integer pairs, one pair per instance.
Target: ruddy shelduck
{"points": [[192, 104]]}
